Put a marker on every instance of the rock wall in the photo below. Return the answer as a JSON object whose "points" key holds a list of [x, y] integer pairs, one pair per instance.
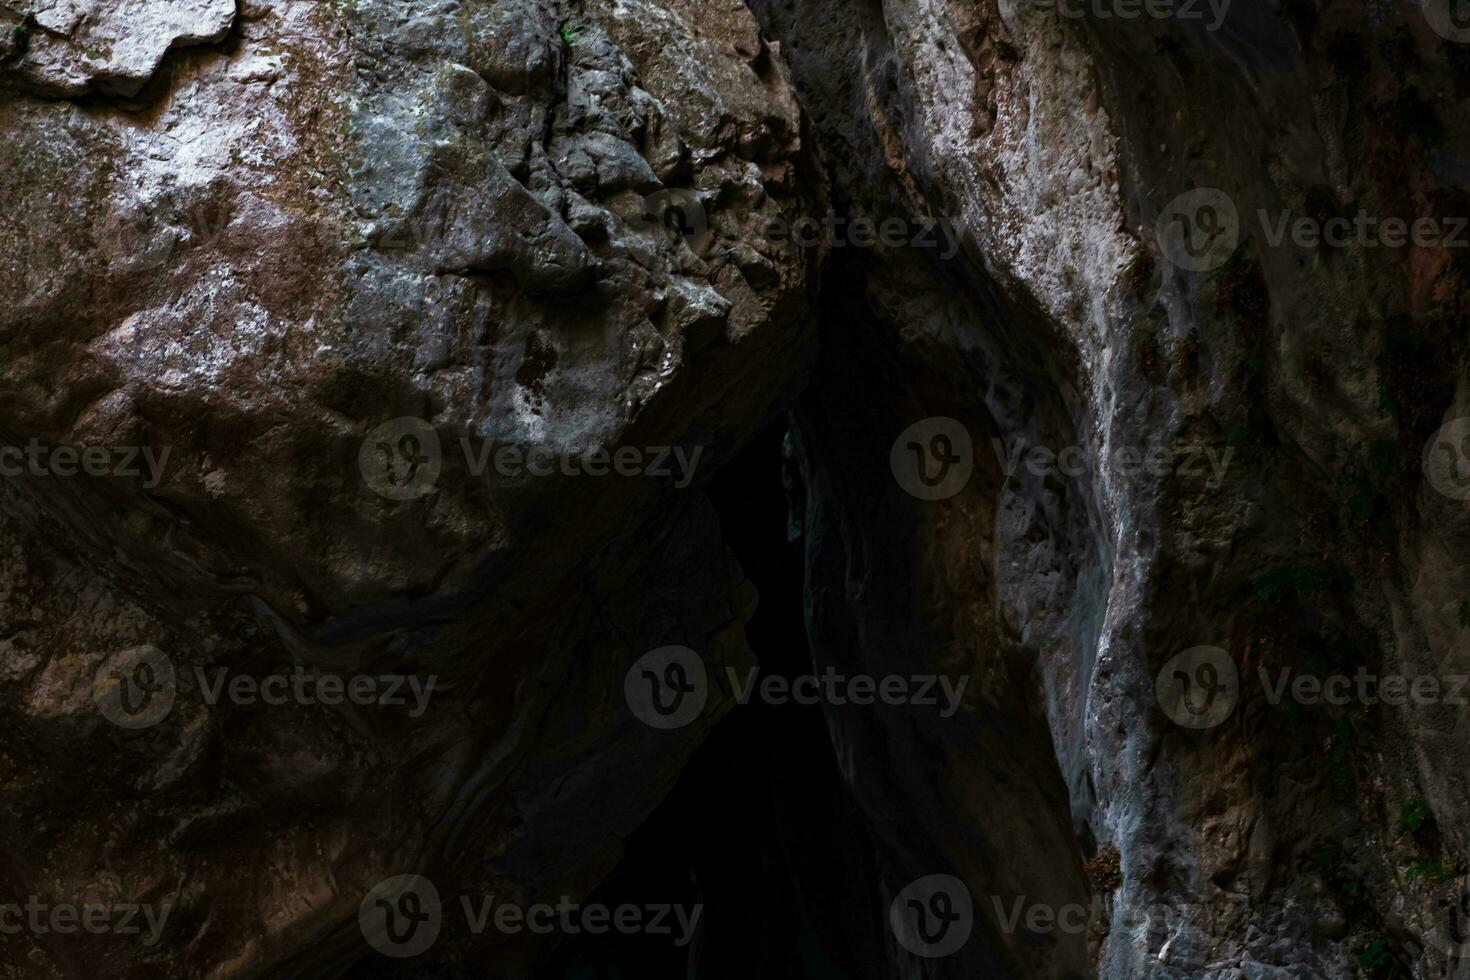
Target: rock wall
{"points": [[1079, 414], [252, 250], [1293, 387]]}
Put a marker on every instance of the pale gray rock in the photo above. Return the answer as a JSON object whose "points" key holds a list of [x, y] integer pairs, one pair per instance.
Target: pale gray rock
{"points": [[112, 46]]}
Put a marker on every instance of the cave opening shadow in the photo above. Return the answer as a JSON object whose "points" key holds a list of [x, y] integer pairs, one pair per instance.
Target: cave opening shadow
{"points": [[760, 829]]}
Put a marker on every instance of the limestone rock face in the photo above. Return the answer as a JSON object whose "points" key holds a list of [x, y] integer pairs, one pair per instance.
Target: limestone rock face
{"points": [[80, 46], [379, 340], [307, 271], [1119, 282]]}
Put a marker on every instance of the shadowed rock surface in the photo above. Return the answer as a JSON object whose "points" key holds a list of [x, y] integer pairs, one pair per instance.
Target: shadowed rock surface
{"points": [[318, 264], [337, 216]]}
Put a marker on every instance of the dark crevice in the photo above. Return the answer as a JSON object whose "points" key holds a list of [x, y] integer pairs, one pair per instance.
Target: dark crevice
{"points": [[760, 827]]}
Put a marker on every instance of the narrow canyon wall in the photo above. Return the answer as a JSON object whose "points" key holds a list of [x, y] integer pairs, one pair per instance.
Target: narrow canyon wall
{"points": [[1079, 414], [1293, 389]]}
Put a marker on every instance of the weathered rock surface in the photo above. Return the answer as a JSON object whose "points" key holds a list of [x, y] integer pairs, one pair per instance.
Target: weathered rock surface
{"points": [[323, 260], [242, 239], [1275, 844], [80, 46]]}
